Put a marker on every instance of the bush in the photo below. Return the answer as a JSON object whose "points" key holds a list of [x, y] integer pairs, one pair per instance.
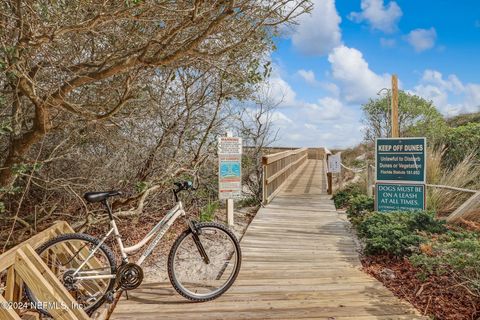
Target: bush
{"points": [[207, 213], [397, 233], [359, 206], [460, 142], [342, 197], [456, 254], [247, 202]]}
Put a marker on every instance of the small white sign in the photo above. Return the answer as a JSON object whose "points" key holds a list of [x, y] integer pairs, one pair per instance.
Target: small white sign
{"points": [[229, 146], [334, 163], [229, 167]]}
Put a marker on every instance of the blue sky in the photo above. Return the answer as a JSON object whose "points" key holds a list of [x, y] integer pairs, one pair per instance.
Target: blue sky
{"points": [[345, 51]]}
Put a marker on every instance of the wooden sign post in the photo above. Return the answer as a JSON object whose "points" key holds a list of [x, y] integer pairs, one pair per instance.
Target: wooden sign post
{"points": [[395, 126]]}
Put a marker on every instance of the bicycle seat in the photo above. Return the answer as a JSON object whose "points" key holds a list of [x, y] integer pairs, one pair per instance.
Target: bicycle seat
{"points": [[100, 196]]}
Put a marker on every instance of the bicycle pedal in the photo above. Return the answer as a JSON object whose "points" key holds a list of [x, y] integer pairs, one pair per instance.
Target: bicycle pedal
{"points": [[109, 297]]}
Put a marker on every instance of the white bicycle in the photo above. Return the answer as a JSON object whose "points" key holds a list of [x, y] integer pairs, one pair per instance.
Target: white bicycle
{"points": [[203, 262]]}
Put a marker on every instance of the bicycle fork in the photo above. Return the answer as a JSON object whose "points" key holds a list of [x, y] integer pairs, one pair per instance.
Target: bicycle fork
{"points": [[198, 243]]}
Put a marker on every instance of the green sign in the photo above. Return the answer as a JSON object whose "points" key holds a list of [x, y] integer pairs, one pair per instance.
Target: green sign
{"points": [[399, 197], [400, 159]]}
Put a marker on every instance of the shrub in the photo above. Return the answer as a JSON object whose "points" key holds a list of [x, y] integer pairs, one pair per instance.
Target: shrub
{"points": [[208, 212], [359, 206], [460, 142], [247, 202], [456, 254], [341, 197], [397, 233]]}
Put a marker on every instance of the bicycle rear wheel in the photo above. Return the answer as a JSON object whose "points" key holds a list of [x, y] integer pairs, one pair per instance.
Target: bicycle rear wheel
{"points": [[202, 279], [64, 254]]}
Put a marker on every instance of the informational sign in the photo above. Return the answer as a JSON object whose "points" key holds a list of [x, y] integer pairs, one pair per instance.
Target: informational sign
{"points": [[229, 167], [400, 179], [399, 197], [334, 163], [400, 160]]}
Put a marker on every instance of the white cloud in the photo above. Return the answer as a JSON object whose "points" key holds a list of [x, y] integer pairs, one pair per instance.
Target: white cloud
{"points": [[308, 76], [280, 118], [477, 23], [317, 125], [303, 123], [452, 83], [449, 94], [387, 43], [332, 88], [422, 39], [279, 91], [356, 81], [380, 16], [317, 33], [472, 101]]}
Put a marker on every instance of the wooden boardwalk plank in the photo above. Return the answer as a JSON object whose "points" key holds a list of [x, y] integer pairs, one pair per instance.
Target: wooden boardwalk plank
{"points": [[299, 262]]}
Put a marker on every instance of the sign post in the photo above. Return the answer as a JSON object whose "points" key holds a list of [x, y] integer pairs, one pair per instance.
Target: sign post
{"points": [[335, 166], [395, 127], [334, 163], [400, 174], [229, 172]]}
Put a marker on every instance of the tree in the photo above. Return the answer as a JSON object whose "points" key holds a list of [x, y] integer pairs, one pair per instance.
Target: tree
{"points": [[254, 124], [87, 61], [416, 116], [121, 94], [461, 142]]}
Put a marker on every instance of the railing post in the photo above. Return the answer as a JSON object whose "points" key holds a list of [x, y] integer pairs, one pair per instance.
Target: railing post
{"points": [[329, 183], [264, 182], [369, 180]]}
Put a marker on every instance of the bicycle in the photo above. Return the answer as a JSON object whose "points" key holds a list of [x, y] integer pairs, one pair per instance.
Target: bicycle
{"points": [[203, 262]]}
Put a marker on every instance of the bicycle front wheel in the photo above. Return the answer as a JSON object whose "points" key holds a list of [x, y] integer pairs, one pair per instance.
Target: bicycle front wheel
{"points": [[203, 265]]}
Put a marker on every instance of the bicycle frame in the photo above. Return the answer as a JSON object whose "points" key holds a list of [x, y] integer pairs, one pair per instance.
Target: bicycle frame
{"points": [[159, 230]]}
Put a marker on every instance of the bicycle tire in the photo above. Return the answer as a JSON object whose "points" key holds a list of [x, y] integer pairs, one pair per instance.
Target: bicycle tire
{"points": [[171, 259]]}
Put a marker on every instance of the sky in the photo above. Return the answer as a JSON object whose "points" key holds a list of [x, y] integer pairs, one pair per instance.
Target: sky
{"points": [[343, 53]]}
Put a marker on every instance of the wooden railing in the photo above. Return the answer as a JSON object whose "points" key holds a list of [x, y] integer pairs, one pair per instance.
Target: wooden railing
{"points": [[22, 265], [328, 175], [277, 168], [471, 204]]}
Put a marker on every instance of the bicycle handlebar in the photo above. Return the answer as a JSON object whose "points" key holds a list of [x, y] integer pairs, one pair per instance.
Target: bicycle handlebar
{"points": [[181, 186], [184, 185]]}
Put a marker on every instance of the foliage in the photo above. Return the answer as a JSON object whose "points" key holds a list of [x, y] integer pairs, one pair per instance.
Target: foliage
{"points": [[141, 186], [341, 197], [463, 119], [207, 213], [397, 233], [460, 142], [456, 254], [359, 206], [417, 117], [124, 94], [247, 202]]}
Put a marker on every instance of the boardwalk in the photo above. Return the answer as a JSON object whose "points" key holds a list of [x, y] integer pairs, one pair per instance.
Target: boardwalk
{"points": [[299, 262]]}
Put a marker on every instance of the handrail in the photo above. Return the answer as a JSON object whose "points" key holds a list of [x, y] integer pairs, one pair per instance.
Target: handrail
{"points": [[7, 259], [440, 186], [22, 264], [280, 155], [278, 167]]}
